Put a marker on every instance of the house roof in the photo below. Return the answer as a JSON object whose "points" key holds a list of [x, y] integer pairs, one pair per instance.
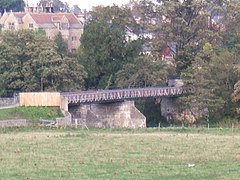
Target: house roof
{"points": [[50, 18], [19, 14]]}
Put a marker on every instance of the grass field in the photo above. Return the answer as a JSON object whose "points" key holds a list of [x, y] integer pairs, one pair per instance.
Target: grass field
{"points": [[119, 154], [30, 113]]}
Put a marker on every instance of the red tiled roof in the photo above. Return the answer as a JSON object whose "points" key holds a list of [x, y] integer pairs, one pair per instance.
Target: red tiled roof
{"points": [[72, 18], [19, 14], [56, 18], [48, 18]]}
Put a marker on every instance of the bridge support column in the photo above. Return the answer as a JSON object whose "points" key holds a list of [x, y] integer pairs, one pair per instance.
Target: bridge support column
{"points": [[169, 107], [64, 104], [112, 115]]}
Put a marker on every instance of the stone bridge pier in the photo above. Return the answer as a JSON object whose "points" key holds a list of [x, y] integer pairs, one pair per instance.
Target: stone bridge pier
{"points": [[169, 107], [122, 114]]}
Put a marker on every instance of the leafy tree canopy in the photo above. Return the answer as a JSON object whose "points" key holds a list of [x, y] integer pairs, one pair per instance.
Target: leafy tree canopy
{"points": [[58, 5], [104, 48], [182, 26], [61, 44], [212, 76], [14, 5], [30, 62]]}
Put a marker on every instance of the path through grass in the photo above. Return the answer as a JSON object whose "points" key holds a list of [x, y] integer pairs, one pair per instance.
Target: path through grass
{"points": [[118, 154]]}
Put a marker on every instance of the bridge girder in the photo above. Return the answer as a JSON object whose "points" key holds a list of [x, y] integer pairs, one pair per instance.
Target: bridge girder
{"points": [[123, 94]]}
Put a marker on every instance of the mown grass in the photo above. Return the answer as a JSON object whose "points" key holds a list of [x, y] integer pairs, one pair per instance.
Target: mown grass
{"points": [[119, 154], [30, 113]]}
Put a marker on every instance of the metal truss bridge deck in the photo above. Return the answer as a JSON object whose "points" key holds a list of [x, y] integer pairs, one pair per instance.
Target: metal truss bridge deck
{"points": [[123, 94]]}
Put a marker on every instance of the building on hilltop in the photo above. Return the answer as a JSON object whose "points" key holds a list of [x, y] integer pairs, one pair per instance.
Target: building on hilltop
{"points": [[41, 17]]}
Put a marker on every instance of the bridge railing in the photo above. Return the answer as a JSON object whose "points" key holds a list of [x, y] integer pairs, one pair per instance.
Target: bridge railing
{"points": [[121, 94]]}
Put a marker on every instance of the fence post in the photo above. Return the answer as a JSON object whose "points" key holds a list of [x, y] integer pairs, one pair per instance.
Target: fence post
{"points": [[208, 124], [76, 123]]}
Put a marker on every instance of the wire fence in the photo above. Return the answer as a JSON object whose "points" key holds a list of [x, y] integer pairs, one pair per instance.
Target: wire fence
{"points": [[220, 125]]}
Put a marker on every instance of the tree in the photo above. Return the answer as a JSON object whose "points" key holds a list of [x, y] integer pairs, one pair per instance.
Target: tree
{"points": [[104, 49], [58, 73], [181, 26], [231, 22], [14, 5], [212, 75], [76, 9], [236, 96], [58, 5], [143, 71], [30, 62], [236, 93], [61, 45]]}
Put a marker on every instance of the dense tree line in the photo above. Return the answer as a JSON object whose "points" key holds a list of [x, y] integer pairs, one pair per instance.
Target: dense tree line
{"points": [[14, 5], [31, 62], [203, 37], [123, 47]]}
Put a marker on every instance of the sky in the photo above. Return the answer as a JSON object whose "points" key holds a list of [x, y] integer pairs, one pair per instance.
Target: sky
{"points": [[87, 4]]}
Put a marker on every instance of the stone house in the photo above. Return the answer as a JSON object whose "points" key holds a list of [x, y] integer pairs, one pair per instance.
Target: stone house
{"points": [[52, 23]]}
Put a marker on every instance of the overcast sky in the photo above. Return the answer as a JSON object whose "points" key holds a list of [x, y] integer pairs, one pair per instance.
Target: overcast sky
{"points": [[87, 4]]}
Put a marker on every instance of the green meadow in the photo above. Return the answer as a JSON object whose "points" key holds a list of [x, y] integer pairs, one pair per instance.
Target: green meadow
{"points": [[37, 153], [33, 114]]}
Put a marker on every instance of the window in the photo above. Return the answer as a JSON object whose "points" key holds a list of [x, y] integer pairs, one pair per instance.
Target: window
{"points": [[74, 51], [11, 26], [30, 26], [64, 25], [74, 38]]}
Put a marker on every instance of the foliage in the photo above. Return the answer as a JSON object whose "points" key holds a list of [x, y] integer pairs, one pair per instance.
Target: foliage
{"points": [[189, 117], [151, 108], [181, 26], [104, 49], [236, 93], [30, 113], [30, 62], [236, 96], [58, 5], [231, 21], [213, 77], [228, 123], [61, 45], [143, 71], [76, 9], [202, 36], [14, 5]]}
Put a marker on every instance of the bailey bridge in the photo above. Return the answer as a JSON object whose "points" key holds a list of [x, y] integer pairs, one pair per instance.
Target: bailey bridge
{"points": [[115, 108], [101, 96]]}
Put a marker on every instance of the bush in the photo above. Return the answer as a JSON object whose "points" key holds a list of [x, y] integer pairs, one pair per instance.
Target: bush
{"points": [[228, 123]]}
